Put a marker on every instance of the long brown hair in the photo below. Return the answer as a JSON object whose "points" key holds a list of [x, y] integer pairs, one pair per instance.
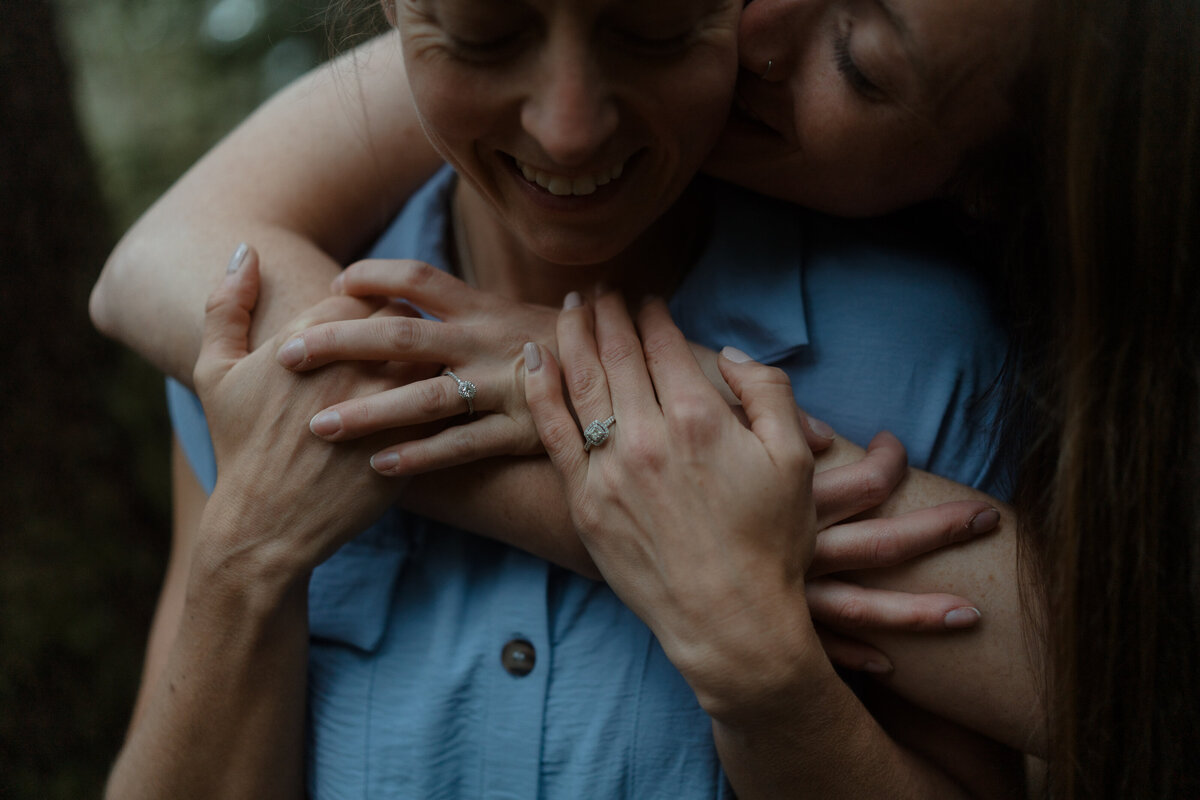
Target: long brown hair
{"points": [[1109, 482]]}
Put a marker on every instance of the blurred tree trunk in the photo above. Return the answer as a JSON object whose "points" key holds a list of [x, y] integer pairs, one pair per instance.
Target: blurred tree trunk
{"points": [[79, 548]]}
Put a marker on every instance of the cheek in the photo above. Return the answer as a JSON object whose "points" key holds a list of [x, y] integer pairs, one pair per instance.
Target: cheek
{"points": [[453, 111]]}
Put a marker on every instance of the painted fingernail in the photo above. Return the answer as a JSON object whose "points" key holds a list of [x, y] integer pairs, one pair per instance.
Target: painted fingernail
{"points": [[965, 617], [384, 462], [327, 423], [878, 667], [292, 354], [820, 428], [735, 355], [337, 286], [238, 258], [533, 357], [572, 300], [984, 521]]}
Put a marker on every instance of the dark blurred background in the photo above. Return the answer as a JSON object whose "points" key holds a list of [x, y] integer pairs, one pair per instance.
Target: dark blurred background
{"points": [[102, 104]]}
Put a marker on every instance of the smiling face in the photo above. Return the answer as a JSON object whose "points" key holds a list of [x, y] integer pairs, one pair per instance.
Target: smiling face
{"points": [[579, 122], [869, 105]]}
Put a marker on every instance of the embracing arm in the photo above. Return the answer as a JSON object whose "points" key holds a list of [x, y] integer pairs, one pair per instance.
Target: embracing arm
{"points": [[220, 712], [309, 179]]}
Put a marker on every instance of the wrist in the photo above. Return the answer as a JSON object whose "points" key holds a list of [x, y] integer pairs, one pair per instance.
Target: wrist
{"points": [[766, 675], [241, 557]]}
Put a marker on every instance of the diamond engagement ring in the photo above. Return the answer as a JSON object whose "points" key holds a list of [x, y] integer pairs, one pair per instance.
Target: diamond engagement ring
{"points": [[467, 391], [596, 433]]}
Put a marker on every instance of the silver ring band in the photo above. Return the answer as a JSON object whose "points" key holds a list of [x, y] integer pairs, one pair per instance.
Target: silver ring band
{"points": [[596, 433], [466, 390]]}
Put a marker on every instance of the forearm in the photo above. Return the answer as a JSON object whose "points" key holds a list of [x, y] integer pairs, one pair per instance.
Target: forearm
{"points": [[984, 678], [225, 718], [309, 179], [823, 743]]}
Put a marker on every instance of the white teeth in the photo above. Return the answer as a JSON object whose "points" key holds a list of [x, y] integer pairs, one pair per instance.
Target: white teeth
{"points": [[561, 186]]}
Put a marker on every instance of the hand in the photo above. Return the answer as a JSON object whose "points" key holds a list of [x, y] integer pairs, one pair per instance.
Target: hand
{"points": [[703, 527], [480, 338], [281, 493]]}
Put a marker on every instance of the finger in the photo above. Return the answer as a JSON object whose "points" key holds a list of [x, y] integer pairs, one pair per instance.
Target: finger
{"points": [[625, 370], [377, 338], [555, 426], [766, 395], [415, 404], [587, 385], [460, 444], [848, 607], [671, 361], [853, 654], [437, 292], [842, 492], [331, 309], [227, 317], [884, 542], [817, 433]]}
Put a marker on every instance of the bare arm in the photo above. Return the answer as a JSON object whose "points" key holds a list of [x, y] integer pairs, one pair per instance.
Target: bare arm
{"points": [[220, 712], [309, 179]]}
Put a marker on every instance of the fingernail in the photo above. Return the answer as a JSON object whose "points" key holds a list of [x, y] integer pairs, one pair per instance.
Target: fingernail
{"points": [[336, 286], [238, 258], [821, 428], [965, 617], [327, 423], [572, 300], [984, 521], [735, 355], [292, 354], [878, 667], [533, 357], [384, 462]]}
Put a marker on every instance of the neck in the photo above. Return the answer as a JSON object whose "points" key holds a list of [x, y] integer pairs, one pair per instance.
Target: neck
{"points": [[491, 258]]}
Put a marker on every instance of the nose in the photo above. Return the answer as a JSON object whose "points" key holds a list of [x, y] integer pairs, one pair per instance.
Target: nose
{"points": [[570, 111], [769, 36]]}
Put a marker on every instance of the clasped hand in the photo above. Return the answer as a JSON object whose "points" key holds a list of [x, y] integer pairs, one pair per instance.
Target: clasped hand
{"points": [[481, 337]]}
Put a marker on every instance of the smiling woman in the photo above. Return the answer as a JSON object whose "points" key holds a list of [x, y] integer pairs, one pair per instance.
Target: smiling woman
{"points": [[578, 96]]}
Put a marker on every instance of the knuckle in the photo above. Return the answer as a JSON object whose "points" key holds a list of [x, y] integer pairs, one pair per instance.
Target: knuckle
{"points": [[642, 454], [619, 350], [430, 397], [873, 484], [417, 274], [692, 419], [400, 333], [852, 611], [462, 445], [886, 547], [587, 382]]}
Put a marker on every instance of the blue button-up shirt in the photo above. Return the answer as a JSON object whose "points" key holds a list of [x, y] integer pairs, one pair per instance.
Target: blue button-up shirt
{"points": [[409, 696]]}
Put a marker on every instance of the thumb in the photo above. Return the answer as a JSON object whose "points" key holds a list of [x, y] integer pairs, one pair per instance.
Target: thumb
{"points": [[227, 318]]}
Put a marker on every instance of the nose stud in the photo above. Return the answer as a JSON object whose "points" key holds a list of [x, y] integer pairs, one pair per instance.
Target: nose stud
{"points": [[767, 71]]}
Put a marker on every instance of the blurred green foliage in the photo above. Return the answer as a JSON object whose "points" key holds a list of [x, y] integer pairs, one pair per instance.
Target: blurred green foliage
{"points": [[83, 447]]}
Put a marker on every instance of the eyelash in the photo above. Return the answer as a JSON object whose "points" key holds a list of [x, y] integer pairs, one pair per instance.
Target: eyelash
{"points": [[850, 71]]}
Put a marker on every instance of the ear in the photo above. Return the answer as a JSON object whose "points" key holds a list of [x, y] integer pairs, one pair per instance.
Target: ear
{"points": [[389, 11]]}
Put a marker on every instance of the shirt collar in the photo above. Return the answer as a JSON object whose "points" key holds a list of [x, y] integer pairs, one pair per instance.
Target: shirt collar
{"points": [[747, 288]]}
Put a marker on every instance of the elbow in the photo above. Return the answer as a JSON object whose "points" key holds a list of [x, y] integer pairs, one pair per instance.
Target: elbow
{"points": [[100, 308], [104, 306]]}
